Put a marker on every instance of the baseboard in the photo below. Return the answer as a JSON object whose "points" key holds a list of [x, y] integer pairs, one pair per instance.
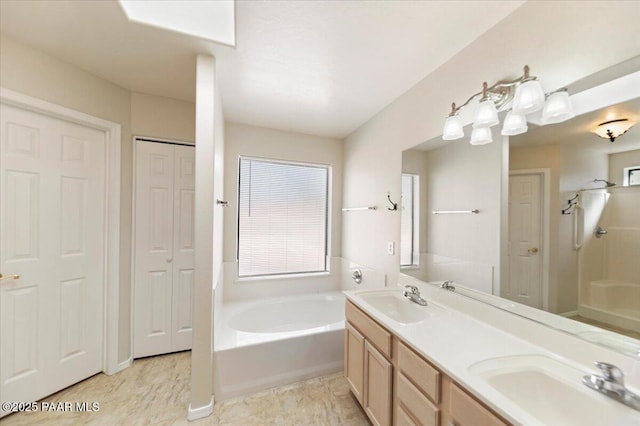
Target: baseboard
{"points": [[200, 412], [569, 314]]}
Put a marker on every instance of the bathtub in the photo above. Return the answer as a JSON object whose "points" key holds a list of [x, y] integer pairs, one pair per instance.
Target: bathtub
{"points": [[614, 302], [264, 343]]}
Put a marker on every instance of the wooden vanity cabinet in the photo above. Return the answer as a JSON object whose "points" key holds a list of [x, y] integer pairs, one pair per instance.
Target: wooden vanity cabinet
{"points": [[395, 385], [368, 366]]}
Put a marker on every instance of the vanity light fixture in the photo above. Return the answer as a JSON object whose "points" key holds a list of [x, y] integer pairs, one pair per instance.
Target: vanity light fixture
{"points": [[524, 96], [613, 128]]}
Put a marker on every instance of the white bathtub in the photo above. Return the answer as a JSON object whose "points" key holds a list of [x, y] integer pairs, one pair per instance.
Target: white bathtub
{"points": [[614, 302], [264, 343]]}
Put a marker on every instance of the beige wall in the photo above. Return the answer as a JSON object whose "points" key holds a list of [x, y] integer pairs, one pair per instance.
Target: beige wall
{"points": [[549, 36], [163, 118], [242, 139], [35, 73], [617, 163]]}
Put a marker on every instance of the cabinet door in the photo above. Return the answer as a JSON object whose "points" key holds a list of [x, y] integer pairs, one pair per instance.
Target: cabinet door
{"points": [[378, 386], [354, 361]]}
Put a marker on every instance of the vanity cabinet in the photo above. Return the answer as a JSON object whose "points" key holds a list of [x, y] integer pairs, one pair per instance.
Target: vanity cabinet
{"points": [[368, 366], [395, 385]]}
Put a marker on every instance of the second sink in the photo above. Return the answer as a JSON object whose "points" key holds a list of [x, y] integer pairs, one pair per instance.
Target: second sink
{"points": [[551, 391]]}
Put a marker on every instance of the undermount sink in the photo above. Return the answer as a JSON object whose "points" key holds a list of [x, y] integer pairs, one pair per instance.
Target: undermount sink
{"points": [[397, 307], [551, 391]]}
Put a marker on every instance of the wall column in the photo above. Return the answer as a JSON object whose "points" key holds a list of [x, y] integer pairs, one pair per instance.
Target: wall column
{"points": [[201, 404]]}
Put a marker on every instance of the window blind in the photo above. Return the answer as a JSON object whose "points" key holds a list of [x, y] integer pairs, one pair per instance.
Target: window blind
{"points": [[282, 218]]}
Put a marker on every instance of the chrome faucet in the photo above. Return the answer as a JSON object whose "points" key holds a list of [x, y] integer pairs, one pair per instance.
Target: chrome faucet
{"points": [[447, 285], [611, 384], [412, 293]]}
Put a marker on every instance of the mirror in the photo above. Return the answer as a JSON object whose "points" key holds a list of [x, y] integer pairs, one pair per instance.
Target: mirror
{"points": [[536, 219]]}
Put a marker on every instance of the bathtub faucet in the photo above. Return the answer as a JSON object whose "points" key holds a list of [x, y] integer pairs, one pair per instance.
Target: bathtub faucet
{"points": [[412, 293], [611, 384]]}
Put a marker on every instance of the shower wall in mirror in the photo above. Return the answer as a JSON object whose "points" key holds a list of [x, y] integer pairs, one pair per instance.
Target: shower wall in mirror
{"points": [[558, 223]]}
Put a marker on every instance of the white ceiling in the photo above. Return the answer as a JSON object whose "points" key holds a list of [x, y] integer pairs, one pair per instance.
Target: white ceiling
{"points": [[317, 67]]}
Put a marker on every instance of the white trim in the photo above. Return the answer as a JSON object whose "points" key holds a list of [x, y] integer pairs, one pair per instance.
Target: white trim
{"points": [[546, 218], [125, 364], [569, 314], [200, 412], [111, 278]]}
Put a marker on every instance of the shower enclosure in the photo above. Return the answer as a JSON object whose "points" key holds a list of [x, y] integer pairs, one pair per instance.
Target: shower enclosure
{"points": [[609, 259]]}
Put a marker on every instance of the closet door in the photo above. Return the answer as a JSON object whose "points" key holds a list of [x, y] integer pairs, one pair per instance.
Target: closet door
{"points": [[183, 253], [153, 273]]}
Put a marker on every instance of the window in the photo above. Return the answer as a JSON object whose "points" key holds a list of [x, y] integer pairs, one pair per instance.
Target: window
{"points": [[282, 218], [409, 244], [632, 176]]}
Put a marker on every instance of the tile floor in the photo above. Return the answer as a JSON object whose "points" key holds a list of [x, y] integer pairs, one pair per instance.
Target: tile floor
{"points": [[156, 391]]}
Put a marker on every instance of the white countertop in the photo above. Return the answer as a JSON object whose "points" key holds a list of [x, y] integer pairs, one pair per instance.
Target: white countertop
{"points": [[466, 332]]}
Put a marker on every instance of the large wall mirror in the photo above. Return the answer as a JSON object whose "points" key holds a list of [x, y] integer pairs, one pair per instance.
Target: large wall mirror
{"points": [[545, 224]]}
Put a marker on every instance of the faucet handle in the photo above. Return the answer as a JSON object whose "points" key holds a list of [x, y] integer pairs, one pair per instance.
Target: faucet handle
{"points": [[610, 372]]}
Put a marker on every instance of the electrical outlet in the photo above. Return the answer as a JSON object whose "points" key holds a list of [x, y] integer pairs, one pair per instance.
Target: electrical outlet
{"points": [[391, 248]]}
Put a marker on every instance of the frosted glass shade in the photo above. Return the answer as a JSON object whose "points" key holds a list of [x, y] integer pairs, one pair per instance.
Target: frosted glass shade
{"points": [[529, 98], [452, 128], [486, 114], [481, 136], [514, 124], [557, 108]]}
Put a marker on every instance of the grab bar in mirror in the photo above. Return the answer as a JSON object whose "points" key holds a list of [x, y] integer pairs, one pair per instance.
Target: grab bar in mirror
{"points": [[352, 209], [476, 211]]}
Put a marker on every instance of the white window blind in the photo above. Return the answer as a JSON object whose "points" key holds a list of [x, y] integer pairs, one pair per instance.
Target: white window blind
{"points": [[282, 218]]}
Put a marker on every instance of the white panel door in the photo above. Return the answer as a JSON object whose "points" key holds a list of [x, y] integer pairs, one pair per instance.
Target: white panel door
{"points": [[525, 208], [52, 213], [183, 248], [164, 255]]}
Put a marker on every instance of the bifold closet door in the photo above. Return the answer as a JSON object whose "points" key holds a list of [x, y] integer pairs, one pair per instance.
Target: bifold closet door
{"points": [[163, 271]]}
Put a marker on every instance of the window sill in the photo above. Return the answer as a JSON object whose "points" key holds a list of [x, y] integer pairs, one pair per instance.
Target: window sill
{"points": [[241, 280], [409, 267]]}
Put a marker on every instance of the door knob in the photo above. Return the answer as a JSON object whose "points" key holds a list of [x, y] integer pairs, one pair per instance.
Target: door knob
{"points": [[169, 259], [9, 277], [533, 250]]}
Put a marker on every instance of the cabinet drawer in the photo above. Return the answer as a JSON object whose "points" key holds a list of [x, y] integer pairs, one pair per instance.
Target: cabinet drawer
{"points": [[466, 411], [422, 374], [413, 402], [373, 332]]}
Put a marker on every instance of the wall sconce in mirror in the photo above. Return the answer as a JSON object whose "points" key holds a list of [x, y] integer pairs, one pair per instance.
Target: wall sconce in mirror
{"points": [[613, 128], [523, 96]]}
